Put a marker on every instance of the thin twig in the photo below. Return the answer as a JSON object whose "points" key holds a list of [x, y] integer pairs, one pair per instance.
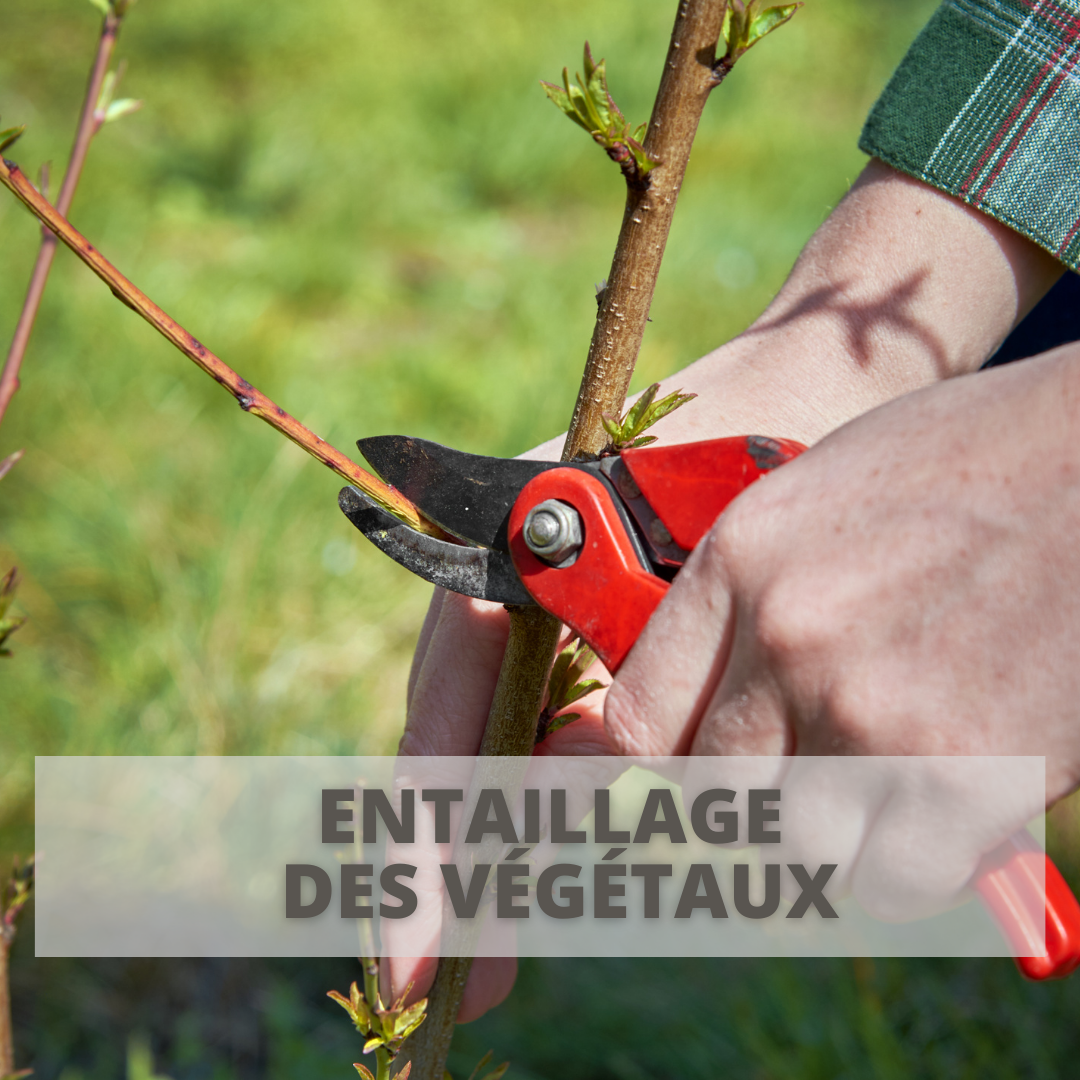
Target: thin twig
{"points": [[9, 463], [688, 78], [90, 121], [7, 1042], [249, 398], [14, 895]]}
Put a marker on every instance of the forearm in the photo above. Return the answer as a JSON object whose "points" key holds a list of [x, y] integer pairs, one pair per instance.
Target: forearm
{"points": [[901, 287]]}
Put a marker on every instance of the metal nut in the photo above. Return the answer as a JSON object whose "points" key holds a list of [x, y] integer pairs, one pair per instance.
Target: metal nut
{"points": [[553, 531]]}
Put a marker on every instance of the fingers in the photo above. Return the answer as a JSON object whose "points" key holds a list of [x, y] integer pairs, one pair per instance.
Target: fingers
{"points": [[491, 979], [671, 674], [426, 631], [456, 680], [747, 714], [396, 972], [906, 833]]}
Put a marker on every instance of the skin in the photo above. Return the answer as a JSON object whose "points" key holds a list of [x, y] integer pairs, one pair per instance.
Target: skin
{"points": [[902, 588]]}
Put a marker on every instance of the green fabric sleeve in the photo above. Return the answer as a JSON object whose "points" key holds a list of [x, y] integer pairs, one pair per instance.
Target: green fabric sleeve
{"points": [[986, 106]]}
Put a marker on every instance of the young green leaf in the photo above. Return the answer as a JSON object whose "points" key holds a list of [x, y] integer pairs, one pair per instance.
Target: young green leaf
{"points": [[565, 686], [590, 105], [485, 1060], [768, 20], [635, 417], [561, 98], [669, 404], [579, 690], [410, 1019], [746, 23], [9, 136], [8, 623], [123, 107], [103, 6], [365, 1073], [557, 722], [626, 433], [495, 1074]]}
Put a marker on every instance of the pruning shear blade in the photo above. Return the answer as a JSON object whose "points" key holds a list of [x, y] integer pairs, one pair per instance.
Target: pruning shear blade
{"points": [[480, 572]]}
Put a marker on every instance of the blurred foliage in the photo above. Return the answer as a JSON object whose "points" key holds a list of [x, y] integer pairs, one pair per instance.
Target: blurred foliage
{"points": [[696, 1019], [370, 211]]}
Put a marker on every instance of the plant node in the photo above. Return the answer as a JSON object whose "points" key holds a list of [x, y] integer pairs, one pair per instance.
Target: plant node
{"points": [[590, 105], [565, 686], [16, 893], [384, 1029], [626, 432]]}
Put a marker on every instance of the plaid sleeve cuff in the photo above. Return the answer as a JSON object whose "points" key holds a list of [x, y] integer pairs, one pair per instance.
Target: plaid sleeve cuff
{"points": [[986, 106]]}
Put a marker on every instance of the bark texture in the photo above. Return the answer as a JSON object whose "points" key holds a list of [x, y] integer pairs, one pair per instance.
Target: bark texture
{"points": [[624, 309], [250, 399]]}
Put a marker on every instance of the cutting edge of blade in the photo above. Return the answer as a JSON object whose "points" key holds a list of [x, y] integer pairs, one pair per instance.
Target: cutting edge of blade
{"points": [[482, 573]]}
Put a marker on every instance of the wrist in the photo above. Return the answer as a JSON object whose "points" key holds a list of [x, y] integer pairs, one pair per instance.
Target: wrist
{"points": [[903, 286]]}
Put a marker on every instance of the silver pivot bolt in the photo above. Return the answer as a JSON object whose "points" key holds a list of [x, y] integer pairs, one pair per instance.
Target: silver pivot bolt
{"points": [[553, 532]]}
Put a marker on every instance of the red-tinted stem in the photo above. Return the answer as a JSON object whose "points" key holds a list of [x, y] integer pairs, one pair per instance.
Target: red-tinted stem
{"points": [[90, 122]]}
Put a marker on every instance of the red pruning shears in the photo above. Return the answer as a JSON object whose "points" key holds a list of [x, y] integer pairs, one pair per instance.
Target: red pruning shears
{"points": [[596, 544]]}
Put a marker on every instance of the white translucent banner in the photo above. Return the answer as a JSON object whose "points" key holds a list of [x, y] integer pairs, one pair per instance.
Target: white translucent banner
{"points": [[538, 856]]}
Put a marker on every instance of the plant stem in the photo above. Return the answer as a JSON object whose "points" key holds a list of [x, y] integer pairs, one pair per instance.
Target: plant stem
{"points": [[620, 324], [688, 78], [382, 1064], [7, 1042], [510, 732], [249, 398], [371, 979], [90, 121], [89, 125]]}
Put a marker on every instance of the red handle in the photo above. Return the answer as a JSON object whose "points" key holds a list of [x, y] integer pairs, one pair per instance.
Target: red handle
{"points": [[1025, 893], [607, 597]]}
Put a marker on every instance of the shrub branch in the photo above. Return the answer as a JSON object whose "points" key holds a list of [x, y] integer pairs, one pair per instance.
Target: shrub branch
{"points": [[90, 122], [688, 78], [250, 399]]}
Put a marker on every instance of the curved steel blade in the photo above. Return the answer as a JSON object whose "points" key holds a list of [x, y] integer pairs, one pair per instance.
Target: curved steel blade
{"points": [[471, 571], [467, 494]]}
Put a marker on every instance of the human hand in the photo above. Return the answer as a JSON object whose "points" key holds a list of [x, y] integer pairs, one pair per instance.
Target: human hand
{"points": [[901, 287], [906, 587]]}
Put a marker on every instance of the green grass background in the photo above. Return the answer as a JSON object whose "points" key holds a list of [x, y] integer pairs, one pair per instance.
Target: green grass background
{"points": [[370, 210]]}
